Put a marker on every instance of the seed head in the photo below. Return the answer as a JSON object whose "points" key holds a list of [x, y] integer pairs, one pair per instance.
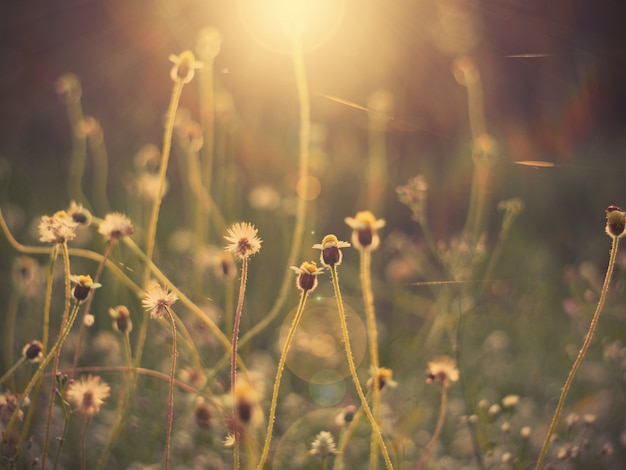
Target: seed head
{"points": [[115, 226], [442, 370], [58, 229], [323, 445], [243, 240], [88, 394], [33, 351], [157, 300], [615, 222]]}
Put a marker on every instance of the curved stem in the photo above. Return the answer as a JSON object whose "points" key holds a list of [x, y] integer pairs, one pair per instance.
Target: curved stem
{"points": [[279, 373], [438, 428], [165, 155], [346, 339], [581, 354]]}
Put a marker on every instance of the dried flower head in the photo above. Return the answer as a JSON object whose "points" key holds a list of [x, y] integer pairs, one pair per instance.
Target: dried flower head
{"points": [[243, 240], [88, 394], [8, 405], [202, 413], [79, 214], [385, 377], [323, 445], [84, 285], [331, 250], [157, 300], [442, 370], [121, 319], [307, 275], [115, 226], [615, 222], [185, 65], [59, 228], [346, 416], [365, 230], [33, 351]]}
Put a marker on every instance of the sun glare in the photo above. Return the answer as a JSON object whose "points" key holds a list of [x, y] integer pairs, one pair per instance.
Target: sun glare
{"points": [[273, 22]]}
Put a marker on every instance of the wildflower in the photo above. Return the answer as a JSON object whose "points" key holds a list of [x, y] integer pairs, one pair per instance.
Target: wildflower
{"points": [[331, 250], [33, 351], [158, 300], [525, 432], [224, 266], [59, 228], [203, 414], [384, 378], [84, 285], [243, 240], [442, 370], [115, 226], [346, 416], [88, 394], [247, 406], [307, 275], [8, 405], [494, 410], [79, 214], [121, 317], [24, 270], [365, 230], [510, 401], [209, 43], [185, 65], [615, 222], [323, 445], [89, 320], [68, 84]]}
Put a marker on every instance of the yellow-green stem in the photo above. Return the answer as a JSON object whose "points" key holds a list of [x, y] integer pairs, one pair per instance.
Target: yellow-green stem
{"points": [[12, 369], [89, 302], [55, 364], [279, 374], [123, 404], [83, 439], [372, 334], [376, 432], [37, 376], [165, 155], [581, 354], [438, 428]]}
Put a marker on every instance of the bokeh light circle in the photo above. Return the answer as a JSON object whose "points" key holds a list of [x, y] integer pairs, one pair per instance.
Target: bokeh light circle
{"points": [[308, 188], [327, 388], [318, 342]]}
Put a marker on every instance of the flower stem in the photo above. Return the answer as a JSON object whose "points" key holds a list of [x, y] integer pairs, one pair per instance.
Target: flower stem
{"points": [[581, 354], [372, 333], [83, 459], [346, 339], [233, 360], [438, 428], [55, 364], [279, 373], [170, 410]]}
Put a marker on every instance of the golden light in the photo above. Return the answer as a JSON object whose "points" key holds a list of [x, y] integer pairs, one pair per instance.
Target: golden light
{"points": [[273, 23]]}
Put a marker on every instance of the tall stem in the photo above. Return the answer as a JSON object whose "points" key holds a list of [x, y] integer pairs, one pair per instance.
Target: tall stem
{"points": [[346, 339], [233, 359], [170, 410], [372, 333], [581, 353], [279, 374], [438, 428]]}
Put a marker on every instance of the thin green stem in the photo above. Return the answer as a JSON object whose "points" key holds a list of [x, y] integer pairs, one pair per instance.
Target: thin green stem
{"points": [[279, 374], [83, 440], [372, 333], [438, 428], [581, 354], [123, 404], [66, 416], [165, 155], [55, 364], [39, 374], [12, 369], [233, 358], [346, 339], [10, 333]]}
